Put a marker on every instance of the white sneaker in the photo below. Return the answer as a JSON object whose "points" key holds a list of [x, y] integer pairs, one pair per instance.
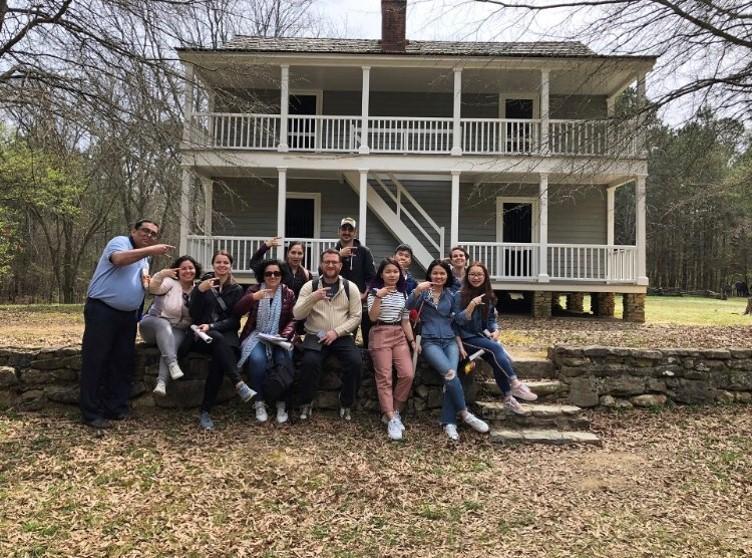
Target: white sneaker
{"points": [[451, 432], [175, 372], [475, 423], [261, 415], [385, 419], [394, 428], [511, 404], [160, 389], [521, 391], [344, 413], [281, 412], [306, 411]]}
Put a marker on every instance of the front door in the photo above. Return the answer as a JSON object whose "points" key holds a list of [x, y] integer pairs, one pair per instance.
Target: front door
{"points": [[302, 131], [301, 221], [516, 230]]}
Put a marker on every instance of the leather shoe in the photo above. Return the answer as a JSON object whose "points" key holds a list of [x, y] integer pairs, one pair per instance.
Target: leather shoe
{"points": [[98, 423]]}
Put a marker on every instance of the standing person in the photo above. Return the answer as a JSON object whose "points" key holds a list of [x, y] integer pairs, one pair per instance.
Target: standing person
{"points": [[113, 300], [475, 316], [458, 257], [269, 308], [211, 305], [440, 346], [331, 308], [391, 338], [294, 275], [403, 253], [357, 266], [167, 321]]}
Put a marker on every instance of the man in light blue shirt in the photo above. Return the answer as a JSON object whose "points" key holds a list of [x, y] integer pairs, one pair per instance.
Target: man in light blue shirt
{"points": [[115, 295]]}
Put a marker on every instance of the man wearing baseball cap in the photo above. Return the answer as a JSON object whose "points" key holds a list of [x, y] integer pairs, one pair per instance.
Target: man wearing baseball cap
{"points": [[357, 266]]}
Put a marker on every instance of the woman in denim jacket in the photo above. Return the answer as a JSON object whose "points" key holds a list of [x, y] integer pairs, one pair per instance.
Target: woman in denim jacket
{"points": [[475, 318], [440, 345]]}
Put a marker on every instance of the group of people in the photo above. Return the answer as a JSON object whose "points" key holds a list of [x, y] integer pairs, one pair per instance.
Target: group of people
{"points": [[291, 310]]}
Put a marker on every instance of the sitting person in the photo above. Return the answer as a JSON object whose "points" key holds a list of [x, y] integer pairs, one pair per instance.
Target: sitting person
{"points": [[404, 256], [294, 275], [211, 305], [168, 319], [440, 346], [331, 308], [269, 308], [391, 338], [475, 316]]}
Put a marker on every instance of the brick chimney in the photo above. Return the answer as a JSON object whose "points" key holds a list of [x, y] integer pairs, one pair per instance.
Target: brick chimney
{"points": [[393, 15]]}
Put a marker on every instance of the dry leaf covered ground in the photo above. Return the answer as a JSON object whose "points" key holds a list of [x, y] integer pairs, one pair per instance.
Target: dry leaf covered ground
{"points": [[676, 482]]}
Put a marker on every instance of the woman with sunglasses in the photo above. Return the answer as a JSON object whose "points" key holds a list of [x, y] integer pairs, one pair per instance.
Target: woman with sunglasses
{"points": [[294, 275], [475, 316], [269, 307], [440, 345], [168, 319]]}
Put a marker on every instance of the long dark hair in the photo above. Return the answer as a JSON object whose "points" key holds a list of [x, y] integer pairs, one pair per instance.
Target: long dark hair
{"points": [[186, 258], [451, 281], [468, 292], [378, 281]]}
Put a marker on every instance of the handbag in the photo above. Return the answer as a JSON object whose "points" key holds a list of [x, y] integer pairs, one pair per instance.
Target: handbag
{"points": [[279, 378]]}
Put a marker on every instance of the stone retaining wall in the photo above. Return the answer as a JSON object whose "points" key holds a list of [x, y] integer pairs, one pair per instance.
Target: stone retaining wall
{"points": [[621, 377], [32, 379]]}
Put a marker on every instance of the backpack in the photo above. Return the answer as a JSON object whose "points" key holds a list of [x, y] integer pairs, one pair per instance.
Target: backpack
{"points": [[279, 379]]}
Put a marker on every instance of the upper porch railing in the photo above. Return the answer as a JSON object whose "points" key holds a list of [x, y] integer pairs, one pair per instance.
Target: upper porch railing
{"points": [[420, 135]]}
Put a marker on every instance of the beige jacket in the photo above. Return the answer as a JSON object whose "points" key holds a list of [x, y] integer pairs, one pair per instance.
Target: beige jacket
{"points": [[339, 313], [168, 301]]}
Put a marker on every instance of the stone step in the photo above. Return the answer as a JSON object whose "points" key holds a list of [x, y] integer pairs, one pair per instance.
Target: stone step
{"points": [[545, 389], [563, 417], [542, 436], [533, 368]]}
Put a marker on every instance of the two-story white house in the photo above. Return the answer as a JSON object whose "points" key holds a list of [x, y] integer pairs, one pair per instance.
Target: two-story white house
{"points": [[508, 149]]}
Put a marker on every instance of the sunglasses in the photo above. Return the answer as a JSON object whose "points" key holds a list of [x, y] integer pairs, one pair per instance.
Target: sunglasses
{"points": [[148, 232], [272, 274]]}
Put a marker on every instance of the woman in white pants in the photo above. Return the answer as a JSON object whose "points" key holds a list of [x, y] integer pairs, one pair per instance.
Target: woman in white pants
{"points": [[168, 319]]}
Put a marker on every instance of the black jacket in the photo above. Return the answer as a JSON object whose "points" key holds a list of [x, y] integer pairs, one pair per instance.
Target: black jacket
{"points": [[291, 280], [205, 308], [358, 268]]}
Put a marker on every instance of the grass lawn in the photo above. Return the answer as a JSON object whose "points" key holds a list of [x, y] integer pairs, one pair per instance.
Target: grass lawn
{"points": [[674, 482]]}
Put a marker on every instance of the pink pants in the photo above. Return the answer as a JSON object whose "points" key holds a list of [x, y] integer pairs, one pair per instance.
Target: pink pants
{"points": [[387, 345]]}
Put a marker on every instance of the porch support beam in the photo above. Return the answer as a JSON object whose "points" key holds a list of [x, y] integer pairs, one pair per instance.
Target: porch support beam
{"points": [[610, 208], [364, 149], [610, 106], [457, 114], [188, 103], [640, 230], [284, 107], [543, 276], [185, 190], [454, 221], [362, 205], [281, 208], [641, 120], [544, 110], [208, 186]]}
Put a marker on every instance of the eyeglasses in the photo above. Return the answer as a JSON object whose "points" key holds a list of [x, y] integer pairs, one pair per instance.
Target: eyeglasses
{"points": [[329, 263], [148, 232], [346, 228], [272, 274], [476, 274]]}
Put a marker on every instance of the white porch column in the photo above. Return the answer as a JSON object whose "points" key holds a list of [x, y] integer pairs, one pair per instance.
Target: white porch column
{"points": [[185, 223], [544, 111], [281, 208], [188, 102], [610, 106], [365, 95], [208, 186], [454, 221], [641, 102], [543, 276], [610, 208], [284, 107], [362, 205], [640, 230], [456, 122]]}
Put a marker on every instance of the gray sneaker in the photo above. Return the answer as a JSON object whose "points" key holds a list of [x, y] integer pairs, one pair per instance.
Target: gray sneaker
{"points": [[205, 421], [245, 393], [394, 428], [511, 404], [475, 423], [451, 432], [344, 413], [306, 411]]}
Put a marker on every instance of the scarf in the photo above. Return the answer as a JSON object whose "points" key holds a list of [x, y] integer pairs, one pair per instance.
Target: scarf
{"points": [[267, 321]]}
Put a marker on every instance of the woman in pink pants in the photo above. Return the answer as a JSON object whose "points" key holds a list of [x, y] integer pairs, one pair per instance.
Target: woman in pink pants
{"points": [[390, 341]]}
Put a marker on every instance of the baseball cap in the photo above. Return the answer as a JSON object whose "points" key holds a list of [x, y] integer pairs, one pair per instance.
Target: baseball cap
{"points": [[349, 221]]}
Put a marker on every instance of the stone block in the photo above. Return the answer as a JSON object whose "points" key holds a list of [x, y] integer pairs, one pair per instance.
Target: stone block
{"points": [[62, 394], [573, 361], [649, 354], [734, 380], [691, 391], [743, 396], [435, 398], [327, 400], [622, 404], [7, 376], [65, 375], [649, 400], [602, 304], [46, 363], [607, 400], [570, 371], [33, 376], [740, 364], [541, 306], [32, 400], [716, 353], [741, 353], [575, 302], [725, 396], [583, 392], [656, 385], [633, 307], [595, 351], [623, 385]]}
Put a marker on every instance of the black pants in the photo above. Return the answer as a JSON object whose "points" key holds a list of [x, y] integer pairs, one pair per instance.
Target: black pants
{"points": [[108, 358], [349, 356], [365, 326], [224, 351]]}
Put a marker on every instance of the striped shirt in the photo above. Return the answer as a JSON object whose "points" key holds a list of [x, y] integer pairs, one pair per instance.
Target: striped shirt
{"points": [[392, 307]]}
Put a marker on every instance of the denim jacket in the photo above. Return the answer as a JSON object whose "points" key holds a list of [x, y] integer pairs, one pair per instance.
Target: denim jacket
{"points": [[475, 324], [436, 320]]}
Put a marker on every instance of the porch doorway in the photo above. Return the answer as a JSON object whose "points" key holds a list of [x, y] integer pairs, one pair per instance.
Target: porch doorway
{"points": [[517, 229], [303, 219], [519, 136], [301, 132]]}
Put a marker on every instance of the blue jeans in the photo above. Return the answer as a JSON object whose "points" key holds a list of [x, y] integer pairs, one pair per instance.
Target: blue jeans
{"points": [[497, 357], [257, 363], [443, 355]]}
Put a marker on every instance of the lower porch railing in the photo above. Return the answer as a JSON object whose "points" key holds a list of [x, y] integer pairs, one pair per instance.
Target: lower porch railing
{"points": [[242, 249]]}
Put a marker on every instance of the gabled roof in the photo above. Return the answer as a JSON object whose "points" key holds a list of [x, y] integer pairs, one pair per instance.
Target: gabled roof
{"points": [[558, 49]]}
